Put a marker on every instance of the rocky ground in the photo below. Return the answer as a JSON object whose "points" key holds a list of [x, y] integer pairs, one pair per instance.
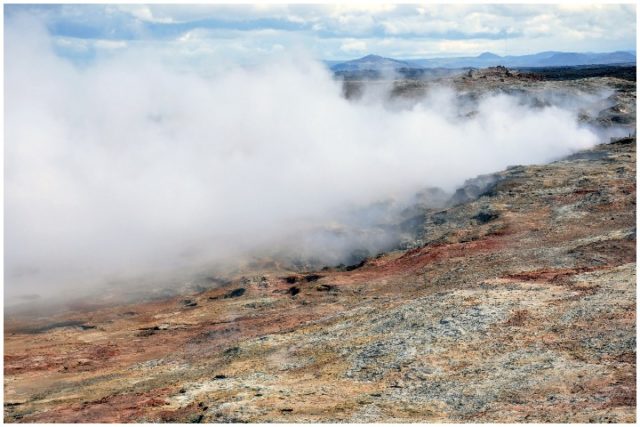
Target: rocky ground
{"points": [[601, 101], [516, 303]]}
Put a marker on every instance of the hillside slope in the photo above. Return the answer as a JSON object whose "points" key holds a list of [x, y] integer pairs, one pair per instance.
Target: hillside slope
{"points": [[518, 306]]}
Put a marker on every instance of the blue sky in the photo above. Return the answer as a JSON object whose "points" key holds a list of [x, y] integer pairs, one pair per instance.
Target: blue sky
{"points": [[247, 33]]}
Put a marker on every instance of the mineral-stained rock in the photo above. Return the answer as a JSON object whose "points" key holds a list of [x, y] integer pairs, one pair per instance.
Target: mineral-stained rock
{"points": [[515, 305]]}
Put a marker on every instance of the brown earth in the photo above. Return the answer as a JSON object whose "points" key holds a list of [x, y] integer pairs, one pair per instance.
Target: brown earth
{"points": [[515, 304], [523, 314]]}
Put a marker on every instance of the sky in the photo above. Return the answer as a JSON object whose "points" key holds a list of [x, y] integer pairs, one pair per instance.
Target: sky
{"points": [[248, 33]]}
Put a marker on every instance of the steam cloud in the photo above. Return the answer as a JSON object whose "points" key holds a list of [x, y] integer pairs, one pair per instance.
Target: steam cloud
{"points": [[128, 166]]}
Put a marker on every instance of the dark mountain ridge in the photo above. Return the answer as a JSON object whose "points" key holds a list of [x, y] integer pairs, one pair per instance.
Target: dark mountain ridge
{"points": [[486, 59]]}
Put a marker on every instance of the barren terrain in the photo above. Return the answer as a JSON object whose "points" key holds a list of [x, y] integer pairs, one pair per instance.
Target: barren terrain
{"points": [[515, 303]]}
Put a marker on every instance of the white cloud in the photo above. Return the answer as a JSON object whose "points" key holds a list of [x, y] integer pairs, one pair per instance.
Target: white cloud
{"points": [[400, 30], [141, 12], [354, 46], [110, 44]]}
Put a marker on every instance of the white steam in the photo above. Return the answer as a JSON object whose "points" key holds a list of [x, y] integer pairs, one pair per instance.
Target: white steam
{"points": [[129, 167]]}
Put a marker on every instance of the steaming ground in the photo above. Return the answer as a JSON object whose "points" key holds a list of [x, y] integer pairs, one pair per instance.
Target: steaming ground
{"points": [[129, 168]]}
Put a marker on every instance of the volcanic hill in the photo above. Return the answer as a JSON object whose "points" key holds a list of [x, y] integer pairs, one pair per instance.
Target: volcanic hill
{"points": [[515, 303]]}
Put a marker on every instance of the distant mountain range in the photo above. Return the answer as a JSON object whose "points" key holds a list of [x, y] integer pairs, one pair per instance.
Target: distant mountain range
{"points": [[375, 63]]}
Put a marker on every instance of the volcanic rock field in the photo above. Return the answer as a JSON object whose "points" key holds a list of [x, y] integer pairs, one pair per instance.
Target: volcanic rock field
{"points": [[513, 302]]}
